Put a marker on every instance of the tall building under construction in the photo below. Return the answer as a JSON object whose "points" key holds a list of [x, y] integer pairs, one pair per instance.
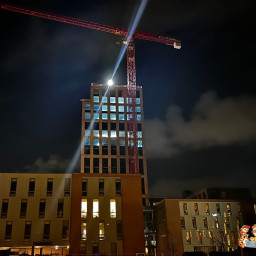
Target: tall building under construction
{"points": [[105, 148]]}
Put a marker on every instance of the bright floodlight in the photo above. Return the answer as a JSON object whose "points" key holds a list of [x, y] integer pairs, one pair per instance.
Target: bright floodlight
{"points": [[110, 82]]}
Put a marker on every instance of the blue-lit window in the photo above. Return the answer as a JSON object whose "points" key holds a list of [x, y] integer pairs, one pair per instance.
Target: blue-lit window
{"points": [[112, 116], [112, 99], [87, 132], [129, 109], [104, 108], [129, 134], [122, 134], [96, 116], [87, 115], [140, 143], [122, 143], [138, 117], [104, 116], [112, 108], [129, 116], [96, 143], [96, 108], [96, 133], [87, 142], [137, 100], [139, 134], [121, 117], [96, 99], [121, 108], [104, 133], [138, 109], [87, 107], [104, 99], [113, 134], [130, 143], [128, 100], [120, 100]]}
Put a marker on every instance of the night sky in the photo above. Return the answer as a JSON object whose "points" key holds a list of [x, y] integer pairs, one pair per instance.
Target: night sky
{"points": [[199, 102]]}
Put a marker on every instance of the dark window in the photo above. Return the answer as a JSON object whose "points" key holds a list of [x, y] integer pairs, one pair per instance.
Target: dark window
{"points": [[87, 165], [141, 166], [143, 186], [137, 94], [60, 208], [27, 233], [95, 165], [31, 187], [205, 223], [13, 187], [120, 93], [87, 147], [194, 223], [46, 230], [8, 231], [139, 127], [122, 165], [96, 92], [84, 187], [104, 147], [49, 187], [23, 208], [118, 187], [96, 147], [67, 187], [104, 126], [112, 93], [42, 208], [113, 147], [119, 230], [86, 125], [4, 210], [65, 227], [121, 127], [144, 201], [113, 126], [101, 187], [218, 209], [96, 126], [140, 151], [113, 165], [182, 220], [122, 147], [104, 165]]}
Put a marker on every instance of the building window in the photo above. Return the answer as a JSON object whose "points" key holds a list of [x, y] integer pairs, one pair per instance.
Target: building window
{"points": [[229, 210], [199, 236], [112, 208], [122, 165], [105, 99], [227, 222], [27, 232], [121, 117], [185, 209], [104, 116], [4, 210], [60, 208], [182, 220], [113, 165], [113, 147], [141, 166], [42, 204], [31, 187], [233, 237], [96, 108], [138, 109], [47, 228], [112, 116], [49, 187], [113, 134], [228, 240], [65, 227], [205, 223], [194, 223], [121, 100], [88, 107], [104, 165], [67, 187], [196, 209], [211, 237], [112, 108], [142, 186], [96, 145], [96, 116], [101, 230], [96, 99], [23, 208], [84, 208], [207, 209], [216, 223], [83, 230], [121, 108], [96, 92], [87, 115], [237, 224], [104, 108], [84, 187], [140, 149], [112, 99], [13, 187], [87, 165], [122, 147], [188, 238], [95, 205], [218, 209], [8, 231], [101, 187], [138, 117], [121, 134], [95, 165], [118, 187], [119, 230]]}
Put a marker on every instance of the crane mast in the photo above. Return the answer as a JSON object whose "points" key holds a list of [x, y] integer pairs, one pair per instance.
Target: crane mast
{"points": [[131, 69]]}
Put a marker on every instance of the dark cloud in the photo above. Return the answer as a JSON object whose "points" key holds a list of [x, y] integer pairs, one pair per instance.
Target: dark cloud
{"points": [[213, 122]]}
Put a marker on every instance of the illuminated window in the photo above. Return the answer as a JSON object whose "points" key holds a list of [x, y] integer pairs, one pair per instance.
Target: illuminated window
{"points": [[104, 133], [218, 209], [23, 208], [27, 232], [233, 237], [96, 108], [104, 147], [112, 99], [237, 224], [88, 107], [96, 144], [96, 116], [227, 222], [138, 109], [137, 100], [185, 209], [96, 99], [113, 134], [139, 134], [229, 209], [101, 230], [104, 108], [104, 99], [31, 187], [120, 100], [112, 208], [205, 223], [211, 237], [4, 210], [87, 115], [96, 133], [216, 223], [138, 117], [83, 230], [199, 236], [95, 205], [182, 220], [8, 231], [207, 209], [104, 116], [121, 108], [196, 209], [13, 187], [121, 117], [122, 134], [84, 208], [194, 223], [254, 206], [188, 238], [228, 240], [112, 108]]}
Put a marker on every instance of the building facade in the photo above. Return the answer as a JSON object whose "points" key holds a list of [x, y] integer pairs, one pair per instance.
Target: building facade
{"points": [[197, 225], [105, 149]]}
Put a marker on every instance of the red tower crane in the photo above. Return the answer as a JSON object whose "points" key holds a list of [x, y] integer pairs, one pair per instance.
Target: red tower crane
{"points": [[131, 71]]}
